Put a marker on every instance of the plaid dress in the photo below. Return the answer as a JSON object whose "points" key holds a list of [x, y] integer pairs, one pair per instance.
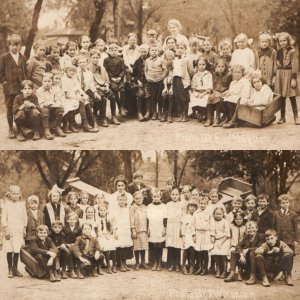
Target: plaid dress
{"points": [[138, 221]]}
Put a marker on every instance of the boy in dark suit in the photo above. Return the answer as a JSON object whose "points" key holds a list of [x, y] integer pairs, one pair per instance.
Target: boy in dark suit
{"points": [[44, 251], [35, 217], [265, 215], [12, 73]]}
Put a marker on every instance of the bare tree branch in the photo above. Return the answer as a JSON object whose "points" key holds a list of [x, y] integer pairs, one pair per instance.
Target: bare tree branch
{"points": [[132, 9], [41, 171]]}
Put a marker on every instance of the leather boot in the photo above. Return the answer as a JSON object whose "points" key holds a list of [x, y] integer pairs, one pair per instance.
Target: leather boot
{"points": [[154, 266], [79, 274], [217, 120], [218, 272], [64, 275], [148, 110], [57, 275], [296, 118], [16, 272], [114, 120], [289, 280], [87, 128], [265, 281], [185, 117], [109, 270], [11, 134], [154, 112], [230, 277], [59, 132], [94, 272], [99, 271], [72, 122], [139, 109], [103, 119], [36, 136], [252, 280], [52, 278], [73, 274], [122, 268], [10, 272], [163, 117], [184, 270], [192, 270], [47, 134], [171, 268], [282, 111], [114, 269], [209, 120], [240, 277], [159, 265], [224, 271]]}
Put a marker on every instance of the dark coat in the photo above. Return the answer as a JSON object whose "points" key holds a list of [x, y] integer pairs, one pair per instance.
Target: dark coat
{"points": [[286, 227], [11, 74], [32, 223], [265, 221], [19, 100], [132, 188], [57, 238], [79, 248], [70, 236], [36, 246], [246, 242]]}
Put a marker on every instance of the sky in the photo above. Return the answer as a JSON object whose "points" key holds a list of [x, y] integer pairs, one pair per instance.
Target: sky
{"points": [[50, 18]]}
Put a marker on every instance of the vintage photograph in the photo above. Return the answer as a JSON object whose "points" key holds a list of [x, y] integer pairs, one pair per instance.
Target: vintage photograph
{"points": [[134, 224]]}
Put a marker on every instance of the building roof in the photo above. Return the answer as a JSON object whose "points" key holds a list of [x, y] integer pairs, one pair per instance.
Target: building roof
{"points": [[64, 32]]}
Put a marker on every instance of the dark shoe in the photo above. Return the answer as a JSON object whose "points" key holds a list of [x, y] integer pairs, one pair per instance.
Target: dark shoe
{"points": [[281, 121], [88, 128], [185, 118], [57, 276], [109, 270], [177, 269], [73, 129], [140, 117], [137, 266], [122, 268], [123, 111], [73, 275], [59, 132], [52, 278], [144, 266], [154, 116], [154, 267], [114, 269], [10, 273], [159, 115], [265, 281], [204, 272], [163, 117], [252, 280], [230, 125], [158, 267], [21, 137], [126, 267], [104, 123], [218, 273], [297, 121], [169, 120], [48, 135], [64, 275], [289, 280], [114, 120], [230, 277], [36, 136], [184, 270], [216, 123], [240, 277], [171, 268], [208, 123], [66, 130], [94, 272], [17, 273], [192, 270], [282, 277], [198, 271], [79, 274], [11, 134], [99, 271]]}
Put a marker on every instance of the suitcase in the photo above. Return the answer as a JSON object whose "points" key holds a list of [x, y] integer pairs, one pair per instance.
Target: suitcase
{"points": [[260, 116], [31, 265]]}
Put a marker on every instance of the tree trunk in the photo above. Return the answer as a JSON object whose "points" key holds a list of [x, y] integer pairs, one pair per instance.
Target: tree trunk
{"points": [[100, 9], [175, 166], [156, 168], [115, 7], [140, 21], [34, 27], [127, 164]]}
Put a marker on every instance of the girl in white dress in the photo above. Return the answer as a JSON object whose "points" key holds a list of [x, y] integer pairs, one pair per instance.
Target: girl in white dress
{"points": [[83, 201], [188, 236], [157, 223], [203, 229], [90, 217], [173, 238], [124, 243], [14, 222], [221, 236], [106, 237]]}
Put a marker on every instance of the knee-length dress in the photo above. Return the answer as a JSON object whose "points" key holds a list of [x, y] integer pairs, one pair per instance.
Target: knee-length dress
{"points": [[174, 215], [188, 230], [201, 82], [219, 230], [122, 226], [138, 221], [106, 233], [156, 213], [203, 230]]}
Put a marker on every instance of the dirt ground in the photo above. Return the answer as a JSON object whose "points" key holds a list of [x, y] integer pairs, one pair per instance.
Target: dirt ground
{"points": [[132, 134], [142, 285]]}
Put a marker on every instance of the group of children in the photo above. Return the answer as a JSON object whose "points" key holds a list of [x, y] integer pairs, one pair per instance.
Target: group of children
{"points": [[72, 237], [48, 90]]}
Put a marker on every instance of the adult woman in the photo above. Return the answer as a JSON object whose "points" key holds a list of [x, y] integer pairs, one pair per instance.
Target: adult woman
{"points": [[174, 27]]}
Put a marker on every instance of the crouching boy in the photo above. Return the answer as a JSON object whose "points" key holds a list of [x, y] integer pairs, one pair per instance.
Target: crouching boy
{"points": [[87, 251], [44, 251], [272, 257]]}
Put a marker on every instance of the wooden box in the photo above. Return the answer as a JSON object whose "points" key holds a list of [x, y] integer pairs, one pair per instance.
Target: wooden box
{"points": [[31, 264], [260, 116], [231, 187]]}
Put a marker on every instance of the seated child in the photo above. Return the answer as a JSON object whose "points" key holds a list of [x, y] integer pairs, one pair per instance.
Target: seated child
{"points": [[167, 93], [225, 52], [272, 257], [54, 58], [138, 74], [237, 204], [35, 217], [51, 107], [27, 111], [201, 87], [58, 237], [87, 251], [244, 254], [44, 251], [115, 68]]}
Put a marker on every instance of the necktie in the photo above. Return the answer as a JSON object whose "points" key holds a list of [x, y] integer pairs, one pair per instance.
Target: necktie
{"points": [[82, 79], [86, 247], [102, 225]]}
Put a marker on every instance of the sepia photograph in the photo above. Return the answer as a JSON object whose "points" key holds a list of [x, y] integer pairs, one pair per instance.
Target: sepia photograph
{"points": [[149, 149]]}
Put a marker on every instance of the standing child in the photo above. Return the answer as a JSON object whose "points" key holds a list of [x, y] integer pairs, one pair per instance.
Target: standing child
{"points": [[35, 217], [115, 68], [90, 217], [201, 88], [138, 73], [166, 195], [237, 204], [167, 93], [251, 211], [27, 111], [51, 107], [194, 54], [221, 82], [265, 58], [69, 55], [107, 237], [44, 251], [181, 81], [69, 105], [155, 72], [171, 44], [12, 73], [54, 210], [188, 236], [225, 52], [37, 65], [14, 222], [286, 75], [123, 232], [265, 215], [152, 38], [173, 238], [100, 46], [221, 236], [83, 201], [87, 250], [214, 202], [84, 46], [208, 54], [204, 242], [138, 224], [157, 223], [54, 58], [72, 206], [243, 55]]}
